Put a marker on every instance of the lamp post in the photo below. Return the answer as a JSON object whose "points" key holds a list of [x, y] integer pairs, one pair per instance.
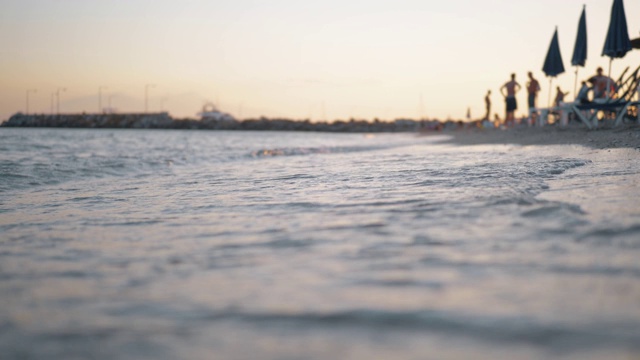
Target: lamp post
{"points": [[100, 97], [29, 92], [58, 99], [52, 97], [146, 96]]}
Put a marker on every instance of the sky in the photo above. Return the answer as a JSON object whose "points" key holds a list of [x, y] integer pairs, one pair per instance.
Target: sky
{"points": [[318, 60]]}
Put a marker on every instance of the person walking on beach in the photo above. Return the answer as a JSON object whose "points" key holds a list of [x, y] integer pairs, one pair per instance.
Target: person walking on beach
{"points": [[511, 88], [487, 105]]}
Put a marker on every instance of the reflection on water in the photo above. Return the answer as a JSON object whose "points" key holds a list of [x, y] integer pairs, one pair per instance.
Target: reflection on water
{"points": [[178, 244]]}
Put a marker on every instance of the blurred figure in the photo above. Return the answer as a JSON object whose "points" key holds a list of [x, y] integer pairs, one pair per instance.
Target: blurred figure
{"points": [[559, 96], [511, 87], [533, 87], [603, 86], [496, 120], [559, 112], [583, 93], [487, 105], [583, 97]]}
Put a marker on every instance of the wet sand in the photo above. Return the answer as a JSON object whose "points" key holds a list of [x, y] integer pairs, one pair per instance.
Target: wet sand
{"points": [[605, 138]]}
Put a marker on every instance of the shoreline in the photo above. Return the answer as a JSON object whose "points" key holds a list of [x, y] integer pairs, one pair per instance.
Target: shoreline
{"points": [[461, 133], [627, 136]]}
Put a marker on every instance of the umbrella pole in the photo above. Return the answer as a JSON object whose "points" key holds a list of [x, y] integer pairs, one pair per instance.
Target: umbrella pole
{"points": [[550, 90], [609, 79], [575, 85]]}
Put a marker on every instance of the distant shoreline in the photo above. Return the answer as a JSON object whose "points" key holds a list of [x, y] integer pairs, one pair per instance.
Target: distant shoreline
{"points": [[226, 122], [462, 133]]}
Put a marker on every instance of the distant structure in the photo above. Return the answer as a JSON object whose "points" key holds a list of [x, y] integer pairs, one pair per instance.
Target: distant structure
{"points": [[210, 112]]}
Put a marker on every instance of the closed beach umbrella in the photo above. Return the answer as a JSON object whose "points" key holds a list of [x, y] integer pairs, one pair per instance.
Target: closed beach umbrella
{"points": [[617, 43], [579, 57], [553, 65]]}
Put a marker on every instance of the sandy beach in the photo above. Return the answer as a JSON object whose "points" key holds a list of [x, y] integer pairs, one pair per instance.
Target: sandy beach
{"points": [[604, 138]]}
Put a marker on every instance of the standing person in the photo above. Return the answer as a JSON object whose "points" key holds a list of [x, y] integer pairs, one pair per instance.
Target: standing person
{"points": [[559, 96], [533, 87], [487, 105], [511, 87]]}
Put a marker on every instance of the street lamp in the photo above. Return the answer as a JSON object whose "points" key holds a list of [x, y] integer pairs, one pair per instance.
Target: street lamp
{"points": [[146, 96], [29, 92], [53, 95], [100, 97], [58, 99]]}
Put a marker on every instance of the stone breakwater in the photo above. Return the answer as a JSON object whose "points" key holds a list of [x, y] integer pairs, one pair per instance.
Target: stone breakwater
{"points": [[164, 121]]}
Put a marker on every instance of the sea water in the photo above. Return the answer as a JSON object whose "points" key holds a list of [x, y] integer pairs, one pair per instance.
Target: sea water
{"points": [[143, 244]]}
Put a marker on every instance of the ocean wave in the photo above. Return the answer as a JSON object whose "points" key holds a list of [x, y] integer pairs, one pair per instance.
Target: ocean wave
{"points": [[493, 328], [623, 237], [549, 209], [298, 151]]}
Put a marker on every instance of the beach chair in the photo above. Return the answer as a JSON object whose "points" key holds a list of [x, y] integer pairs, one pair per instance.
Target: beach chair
{"points": [[621, 109], [620, 104]]}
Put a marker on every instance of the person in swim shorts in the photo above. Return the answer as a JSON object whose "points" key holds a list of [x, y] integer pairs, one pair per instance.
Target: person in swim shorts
{"points": [[509, 90]]}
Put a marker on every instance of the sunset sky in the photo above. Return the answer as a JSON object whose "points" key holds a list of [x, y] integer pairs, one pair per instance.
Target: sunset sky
{"points": [[298, 59]]}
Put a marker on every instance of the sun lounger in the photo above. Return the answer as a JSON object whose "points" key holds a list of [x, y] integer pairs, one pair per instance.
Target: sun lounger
{"points": [[628, 90], [620, 108]]}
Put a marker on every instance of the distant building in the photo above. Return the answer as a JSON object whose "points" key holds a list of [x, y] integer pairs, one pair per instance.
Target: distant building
{"points": [[210, 112]]}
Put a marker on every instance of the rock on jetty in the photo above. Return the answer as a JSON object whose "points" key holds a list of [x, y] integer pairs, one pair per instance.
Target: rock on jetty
{"points": [[164, 121]]}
